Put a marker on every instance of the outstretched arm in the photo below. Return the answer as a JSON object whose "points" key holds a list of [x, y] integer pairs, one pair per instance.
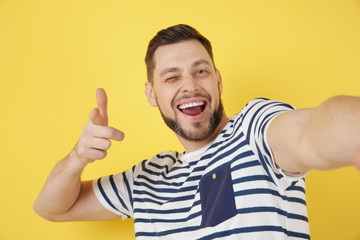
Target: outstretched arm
{"points": [[64, 197], [324, 137]]}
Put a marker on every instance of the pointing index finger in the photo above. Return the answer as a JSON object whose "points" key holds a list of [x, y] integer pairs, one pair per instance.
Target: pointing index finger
{"points": [[101, 99]]}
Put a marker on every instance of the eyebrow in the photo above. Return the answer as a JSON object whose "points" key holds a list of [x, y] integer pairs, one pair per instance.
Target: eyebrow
{"points": [[169, 70], [174, 69], [199, 62]]}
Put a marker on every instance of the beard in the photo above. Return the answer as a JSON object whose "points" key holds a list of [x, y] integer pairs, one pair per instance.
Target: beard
{"points": [[200, 132]]}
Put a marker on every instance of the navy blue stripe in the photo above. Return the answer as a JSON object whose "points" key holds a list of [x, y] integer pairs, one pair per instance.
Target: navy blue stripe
{"points": [[176, 199], [230, 125], [261, 136], [298, 235], [237, 157], [274, 210], [269, 191], [199, 169], [164, 233], [227, 153], [254, 120], [133, 168], [167, 167], [194, 178], [156, 211], [255, 229], [175, 184], [265, 166], [128, 189], [159, 167], [179, 168], [163, 174], [235, 129], [237, 139], [112, 182], [106, 197], [192, 163], [215, 145], [252, 179], [296, 188], [176, 220], [166, 190], [160, 200], [166, 211], [148, 194], [265, 108], [147, 200], [253, 117], [245, 165], [298, 217], [267, 153], [159, 182], [166, 156]]}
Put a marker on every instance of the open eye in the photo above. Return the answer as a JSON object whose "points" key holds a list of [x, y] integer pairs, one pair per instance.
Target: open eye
{"points": [[201, 71]]}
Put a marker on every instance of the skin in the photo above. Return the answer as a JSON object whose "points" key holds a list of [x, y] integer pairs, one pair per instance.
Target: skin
{"points": [[64, 197], [183, 70], [324, 137]]}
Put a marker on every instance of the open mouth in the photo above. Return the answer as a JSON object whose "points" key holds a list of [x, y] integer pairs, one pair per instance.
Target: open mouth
{"points": [[193, 108]]}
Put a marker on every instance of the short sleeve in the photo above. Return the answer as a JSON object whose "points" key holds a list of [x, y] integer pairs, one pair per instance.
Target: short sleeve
{"points": [[115, 192], [257, 116]]}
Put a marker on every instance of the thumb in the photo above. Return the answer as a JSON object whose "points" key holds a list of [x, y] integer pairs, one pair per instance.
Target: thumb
{"points": [[96, 117]]}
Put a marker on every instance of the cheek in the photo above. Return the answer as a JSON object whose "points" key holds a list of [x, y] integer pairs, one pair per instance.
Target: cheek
{"points": [[215, 95], [164, 100]]}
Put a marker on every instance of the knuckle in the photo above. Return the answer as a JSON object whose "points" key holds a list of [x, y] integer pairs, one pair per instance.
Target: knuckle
{"points": [[102, 154], [81, 151], [111, 132], [86, 142], [107, 144]]}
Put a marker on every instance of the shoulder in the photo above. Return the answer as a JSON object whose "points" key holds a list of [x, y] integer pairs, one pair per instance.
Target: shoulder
{"points": [[262, 110], [165, 156], [259, 104], [163, 159]]}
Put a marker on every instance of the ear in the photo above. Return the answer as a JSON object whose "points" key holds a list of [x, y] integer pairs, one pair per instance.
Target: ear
{"points": [[150, 94], [219, 80]]}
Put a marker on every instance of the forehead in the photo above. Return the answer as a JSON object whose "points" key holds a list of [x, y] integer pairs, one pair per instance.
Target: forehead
{"points": [[179, 55]]}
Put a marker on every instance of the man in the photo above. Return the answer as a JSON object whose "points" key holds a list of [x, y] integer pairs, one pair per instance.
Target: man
{"points": [[239, 178]]}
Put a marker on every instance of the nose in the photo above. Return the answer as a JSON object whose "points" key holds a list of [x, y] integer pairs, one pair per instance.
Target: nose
{"points": [[189, 84]]}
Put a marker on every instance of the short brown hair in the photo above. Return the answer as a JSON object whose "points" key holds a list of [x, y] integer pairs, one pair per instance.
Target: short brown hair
{"points": [[171, 35]]}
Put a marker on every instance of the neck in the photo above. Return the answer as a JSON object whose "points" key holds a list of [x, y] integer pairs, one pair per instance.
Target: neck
{"points": [[192, 146]]}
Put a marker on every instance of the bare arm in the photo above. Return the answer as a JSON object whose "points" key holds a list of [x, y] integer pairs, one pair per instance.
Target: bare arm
{"points": [[64, 197], [324, 137]]}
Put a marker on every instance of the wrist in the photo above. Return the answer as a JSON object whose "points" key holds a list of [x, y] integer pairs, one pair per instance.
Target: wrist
{"points": [[73, 164]]}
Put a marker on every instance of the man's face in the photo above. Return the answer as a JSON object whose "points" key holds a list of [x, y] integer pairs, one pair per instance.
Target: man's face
{"points": [[187, 89]]}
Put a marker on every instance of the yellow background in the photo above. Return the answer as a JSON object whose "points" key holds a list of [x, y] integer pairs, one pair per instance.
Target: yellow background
{"points": [[54, 54]]}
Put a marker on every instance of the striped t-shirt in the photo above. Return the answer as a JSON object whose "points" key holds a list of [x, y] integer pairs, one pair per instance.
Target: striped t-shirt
{"points": [[230, 189]]}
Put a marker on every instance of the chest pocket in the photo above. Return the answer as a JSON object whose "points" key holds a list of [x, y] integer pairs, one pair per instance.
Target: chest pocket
{"points": [[217, 197]]}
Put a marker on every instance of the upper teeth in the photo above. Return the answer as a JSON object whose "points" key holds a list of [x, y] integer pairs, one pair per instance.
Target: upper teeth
{"points": [[189, 105]]}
